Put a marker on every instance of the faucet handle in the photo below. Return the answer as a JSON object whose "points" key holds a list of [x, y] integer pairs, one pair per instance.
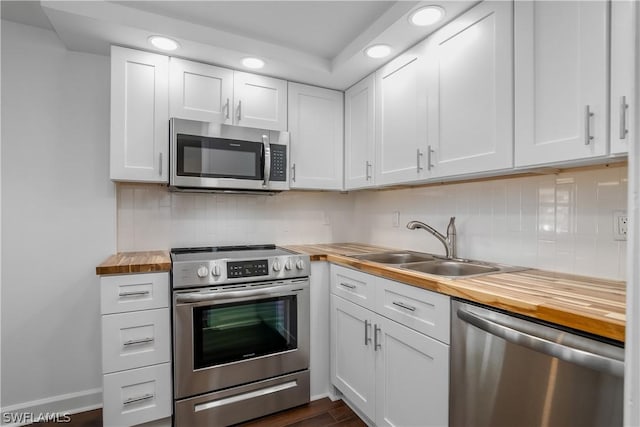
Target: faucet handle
{"points": [[451, 228]]}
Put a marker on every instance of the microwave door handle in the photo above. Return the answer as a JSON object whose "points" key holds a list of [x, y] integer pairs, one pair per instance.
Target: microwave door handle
{"points": [[267, 160]]}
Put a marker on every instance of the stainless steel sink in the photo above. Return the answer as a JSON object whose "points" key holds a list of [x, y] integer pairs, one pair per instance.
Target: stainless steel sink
{"points": [[398, 257], [451, 268], [436, 264]]}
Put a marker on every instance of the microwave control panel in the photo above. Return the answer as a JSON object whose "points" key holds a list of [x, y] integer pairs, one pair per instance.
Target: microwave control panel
{"points": [[239, 269], [278, 162]]}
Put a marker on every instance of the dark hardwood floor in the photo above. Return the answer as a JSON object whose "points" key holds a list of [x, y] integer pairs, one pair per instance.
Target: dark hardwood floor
{"points": [[320, 413]]}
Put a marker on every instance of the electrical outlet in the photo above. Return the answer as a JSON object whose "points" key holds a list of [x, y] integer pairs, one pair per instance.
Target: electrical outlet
{"points": [[327, 219], [396, 218], [620, 225]]}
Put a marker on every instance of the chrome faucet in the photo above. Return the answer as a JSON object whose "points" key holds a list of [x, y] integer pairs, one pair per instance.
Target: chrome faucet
{"points": [[449, 241]]}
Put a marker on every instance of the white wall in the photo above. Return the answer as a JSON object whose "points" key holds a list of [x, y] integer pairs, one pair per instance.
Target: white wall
{"points": [[555, 222], [58, 219], [151, 217]]}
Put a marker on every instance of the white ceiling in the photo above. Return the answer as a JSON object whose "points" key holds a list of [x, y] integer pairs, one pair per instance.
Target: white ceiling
{"points": [[315, 42], [321, 28]]}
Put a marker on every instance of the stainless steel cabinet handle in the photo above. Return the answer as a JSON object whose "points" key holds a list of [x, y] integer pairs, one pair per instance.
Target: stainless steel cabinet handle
{"points": [[367, 340], [239, 110], [418, 155], [138, 399], [226, 107], [376, 344], [140, 341], [541, 345], [160, 168], [133, 293], [429, 153], [623, 117], [267, 160], [403, 305], [587, 125], [347, 285], [368, 169], [293, 172]]}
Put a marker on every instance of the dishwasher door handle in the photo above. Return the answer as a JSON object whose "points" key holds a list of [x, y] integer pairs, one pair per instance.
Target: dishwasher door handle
{"points": [[583, 358]]}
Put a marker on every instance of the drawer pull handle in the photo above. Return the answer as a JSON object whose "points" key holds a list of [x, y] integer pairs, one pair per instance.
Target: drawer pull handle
{"points": [[133, 293], [138, 399], [403, 305], [140, 341], [347, 285]]}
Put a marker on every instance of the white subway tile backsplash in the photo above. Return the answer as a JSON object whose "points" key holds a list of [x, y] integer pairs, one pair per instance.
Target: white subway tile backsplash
{"points": [[557, 222]]}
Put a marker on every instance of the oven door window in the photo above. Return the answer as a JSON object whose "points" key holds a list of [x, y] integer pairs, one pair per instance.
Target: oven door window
{"points": [[238, 331], [219, 158]]}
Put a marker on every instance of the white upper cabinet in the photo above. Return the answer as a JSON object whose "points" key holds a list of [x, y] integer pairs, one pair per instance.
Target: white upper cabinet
{"points": [[316, 131], [561, 63], [401, 130], [470, 93], [139, 116], [218, 95], [259, 101], [359, 128], [200, 92], [623, 85]]}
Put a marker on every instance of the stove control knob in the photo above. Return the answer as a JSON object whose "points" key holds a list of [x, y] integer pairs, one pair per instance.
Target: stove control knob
{"points": [[202, 272], [288, 265], [300, 264], [215, 271], [276, 266]]}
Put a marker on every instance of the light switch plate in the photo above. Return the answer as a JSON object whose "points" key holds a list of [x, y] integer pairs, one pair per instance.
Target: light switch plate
{"points": [[620, 225], [396, 218]]}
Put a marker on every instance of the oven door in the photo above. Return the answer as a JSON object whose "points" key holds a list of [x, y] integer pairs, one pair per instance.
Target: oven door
{"points": [[229, 336]]}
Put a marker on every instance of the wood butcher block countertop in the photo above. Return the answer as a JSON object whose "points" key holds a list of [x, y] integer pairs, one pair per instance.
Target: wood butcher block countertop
{"points": [[587, 304], [135, 262]]}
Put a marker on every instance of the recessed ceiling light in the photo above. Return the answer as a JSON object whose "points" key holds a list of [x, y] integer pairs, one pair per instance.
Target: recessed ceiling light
{"points": [[426, 16], [163, 43], [253, 63], [378, 51]]}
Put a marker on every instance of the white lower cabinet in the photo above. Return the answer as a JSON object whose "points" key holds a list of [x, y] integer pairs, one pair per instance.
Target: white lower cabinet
{"points": [[412, 377], [137, 396], [352, 355], [136, 349], [389, 371]]}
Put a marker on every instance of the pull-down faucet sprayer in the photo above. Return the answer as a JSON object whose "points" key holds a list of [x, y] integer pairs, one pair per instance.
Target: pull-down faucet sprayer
{"points": [[449, 241]]}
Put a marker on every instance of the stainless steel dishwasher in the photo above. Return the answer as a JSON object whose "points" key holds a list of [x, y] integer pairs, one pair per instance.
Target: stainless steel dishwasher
{"points": [[511, 372]]}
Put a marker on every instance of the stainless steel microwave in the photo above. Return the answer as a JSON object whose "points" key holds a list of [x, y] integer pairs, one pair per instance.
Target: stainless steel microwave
{"points": [[214, 157]]}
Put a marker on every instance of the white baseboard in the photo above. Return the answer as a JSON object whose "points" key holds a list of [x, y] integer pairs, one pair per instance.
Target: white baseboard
{"points": [[71, 403], [318, 396]]}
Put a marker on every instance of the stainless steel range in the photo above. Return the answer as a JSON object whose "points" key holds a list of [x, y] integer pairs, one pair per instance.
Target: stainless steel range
{"points": [[240, 333]]}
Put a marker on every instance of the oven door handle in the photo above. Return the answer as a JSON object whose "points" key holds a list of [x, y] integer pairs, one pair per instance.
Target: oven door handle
{"points": [[194, 297]]}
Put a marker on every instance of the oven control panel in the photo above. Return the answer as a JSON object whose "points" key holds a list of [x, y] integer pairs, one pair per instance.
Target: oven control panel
{"points": [[238, 269]]}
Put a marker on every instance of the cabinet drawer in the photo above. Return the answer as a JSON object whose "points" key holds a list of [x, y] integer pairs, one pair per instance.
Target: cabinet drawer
{"points": [[133, 340], [137, 396], [352, 285], [133, 292], [419, 309]]}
